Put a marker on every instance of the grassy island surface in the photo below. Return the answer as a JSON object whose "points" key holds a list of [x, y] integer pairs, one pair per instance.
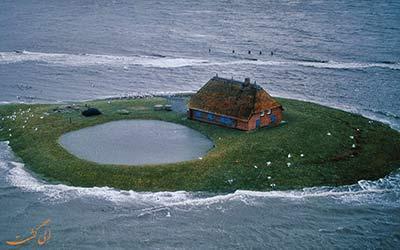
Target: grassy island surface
{"points": [[317, 146]]}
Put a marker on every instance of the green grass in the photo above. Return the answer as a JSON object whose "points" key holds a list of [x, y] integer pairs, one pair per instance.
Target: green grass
{"points": [[328, 160]]}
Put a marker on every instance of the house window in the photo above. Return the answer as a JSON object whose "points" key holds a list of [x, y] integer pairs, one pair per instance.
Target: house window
{"points": [[211, 117], [197, 114], [262, 113], [227, 121]]}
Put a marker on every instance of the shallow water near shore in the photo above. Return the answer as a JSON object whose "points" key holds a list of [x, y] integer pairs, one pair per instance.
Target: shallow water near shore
{"points": [[343, 54], [136, 142], [365, 214]]}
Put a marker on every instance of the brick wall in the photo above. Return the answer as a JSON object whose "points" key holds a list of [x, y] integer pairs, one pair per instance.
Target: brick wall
{"points": [[278, 114], [252, 121], [242, 125], [272, 119]]}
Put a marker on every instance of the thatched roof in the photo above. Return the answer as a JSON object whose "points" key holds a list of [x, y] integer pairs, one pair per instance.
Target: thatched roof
{"points": [[232, 98]]}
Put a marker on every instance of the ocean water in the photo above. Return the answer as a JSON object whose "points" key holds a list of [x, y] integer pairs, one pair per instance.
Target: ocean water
{"points": [[344, 54]]}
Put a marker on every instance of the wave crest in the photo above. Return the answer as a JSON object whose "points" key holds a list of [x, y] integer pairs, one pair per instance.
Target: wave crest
{"points": [[161, 61], [79, 60], [364, 191]]}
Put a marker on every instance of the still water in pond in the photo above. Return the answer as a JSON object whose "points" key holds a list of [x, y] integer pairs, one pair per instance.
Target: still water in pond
{"points": [[136, 142]]}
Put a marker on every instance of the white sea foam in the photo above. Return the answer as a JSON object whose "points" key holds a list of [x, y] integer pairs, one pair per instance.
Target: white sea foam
{"points": [[325, 65], [5, 102], [80, 60], [93, 60], [349, 65], [17, 176]]}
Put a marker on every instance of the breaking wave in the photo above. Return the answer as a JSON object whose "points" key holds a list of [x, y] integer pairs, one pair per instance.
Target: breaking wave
{"points": [[318, 64], [383, 113], [378, 192], [161, 61], [78, 60]]}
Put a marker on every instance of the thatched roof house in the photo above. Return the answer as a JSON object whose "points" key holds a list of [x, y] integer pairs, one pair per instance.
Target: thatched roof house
{"points": [[235, 104]]}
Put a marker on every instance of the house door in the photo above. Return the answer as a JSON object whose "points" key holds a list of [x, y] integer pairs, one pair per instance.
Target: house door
{"points": [[257, 123]]}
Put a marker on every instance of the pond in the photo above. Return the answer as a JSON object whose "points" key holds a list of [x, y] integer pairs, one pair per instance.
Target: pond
{"points": [[136, 142]]}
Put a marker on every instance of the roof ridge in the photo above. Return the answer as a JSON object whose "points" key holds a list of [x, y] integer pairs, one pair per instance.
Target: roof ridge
{"points": [[226, 79], [229, 97]]}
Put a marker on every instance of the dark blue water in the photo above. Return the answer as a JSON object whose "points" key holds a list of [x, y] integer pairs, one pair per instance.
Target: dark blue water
{"points": [[343, 54]]}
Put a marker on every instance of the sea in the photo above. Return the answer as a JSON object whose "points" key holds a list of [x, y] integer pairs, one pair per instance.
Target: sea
{"points": [[343, 54]]}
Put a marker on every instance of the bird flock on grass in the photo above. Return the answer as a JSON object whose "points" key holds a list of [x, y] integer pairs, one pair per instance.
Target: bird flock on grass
{"points": [[290, 156], [24, 116]]}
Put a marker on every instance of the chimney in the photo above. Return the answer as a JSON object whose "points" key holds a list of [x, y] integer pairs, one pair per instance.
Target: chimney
{"points": [[246, 82]]}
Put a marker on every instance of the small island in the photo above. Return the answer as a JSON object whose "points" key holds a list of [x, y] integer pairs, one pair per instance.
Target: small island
{"points": [[314, 146]]}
